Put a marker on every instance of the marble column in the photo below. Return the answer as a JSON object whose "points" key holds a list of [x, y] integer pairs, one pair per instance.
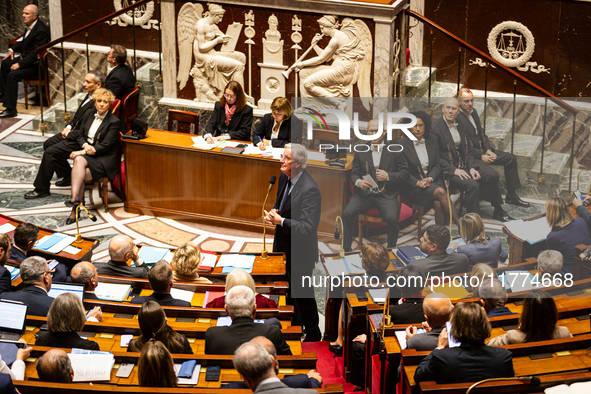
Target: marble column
{"points": [[415, 41], [168, 19], [55, 15]]}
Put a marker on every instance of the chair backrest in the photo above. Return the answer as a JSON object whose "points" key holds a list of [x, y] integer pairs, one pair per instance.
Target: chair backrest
{"points": [[129, 107], [115, 107], [184, 121]]}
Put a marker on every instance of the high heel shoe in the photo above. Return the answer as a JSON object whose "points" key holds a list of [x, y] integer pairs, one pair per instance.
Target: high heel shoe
{"points": [[336, 349], [72, 220], [72, 204]]}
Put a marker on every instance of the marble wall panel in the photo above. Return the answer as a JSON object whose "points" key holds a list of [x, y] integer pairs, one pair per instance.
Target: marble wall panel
{"points": [[11, 21]]}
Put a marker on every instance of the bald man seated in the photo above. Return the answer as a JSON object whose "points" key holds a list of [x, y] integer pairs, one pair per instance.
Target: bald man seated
{"points": [[312, 380], [86, 274], [55, 366], [121, 249], [437, 308]]}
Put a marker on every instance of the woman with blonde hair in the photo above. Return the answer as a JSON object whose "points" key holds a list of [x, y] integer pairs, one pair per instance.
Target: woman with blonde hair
{"points": [[186, 262], [479, 248], [277, 128], [567, 232], [480, 271], [238, 277], [156, 366]]}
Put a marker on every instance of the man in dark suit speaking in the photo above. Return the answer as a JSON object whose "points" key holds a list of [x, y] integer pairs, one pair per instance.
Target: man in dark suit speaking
{"points": [[296, 215], [15, 69]]}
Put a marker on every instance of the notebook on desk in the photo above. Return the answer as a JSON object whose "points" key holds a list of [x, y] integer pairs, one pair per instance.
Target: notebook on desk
{"points": [[12, 324]]}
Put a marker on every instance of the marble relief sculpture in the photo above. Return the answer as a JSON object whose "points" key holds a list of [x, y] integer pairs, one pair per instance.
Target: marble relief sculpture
{"points": [[200, 35], [350, 50], [272, 82]]}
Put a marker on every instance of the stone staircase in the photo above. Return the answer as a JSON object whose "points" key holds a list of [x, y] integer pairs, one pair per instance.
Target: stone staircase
{"points": [[150, 94], [527, 141]]}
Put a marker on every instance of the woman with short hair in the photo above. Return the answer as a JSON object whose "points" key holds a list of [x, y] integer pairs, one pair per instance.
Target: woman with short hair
{"points": [[186, 262], [154, 325], [472, 361], [277, 128], [65, 319], [231, 118], [156, 366]]}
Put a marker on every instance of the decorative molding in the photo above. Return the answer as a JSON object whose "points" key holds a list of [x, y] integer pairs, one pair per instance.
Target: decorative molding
{"points": [[142, 15]]}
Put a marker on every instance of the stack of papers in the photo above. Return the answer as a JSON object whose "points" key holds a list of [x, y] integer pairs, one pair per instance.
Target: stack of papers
{"points": [[211, 295], [6, 228], [349, 265], [14, 272], [378, 295], [519, 280], [532, 231], [208, 260], [269, 151], [151, 255], [91, 367], [184, 295], [231, 261], [112, 291], [54, 243], [318, 156], [200, 143]]}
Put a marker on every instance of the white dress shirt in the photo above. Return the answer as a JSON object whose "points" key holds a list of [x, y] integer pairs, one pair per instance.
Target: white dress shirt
{"points": [[455, 134], [421, 149], [98, 119]]}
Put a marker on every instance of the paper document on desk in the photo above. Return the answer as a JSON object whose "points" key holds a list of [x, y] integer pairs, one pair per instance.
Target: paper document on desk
{"points": [[519, 280], [230, 144], [318, 156], [244, 261], [200, 143], [50, 241], [184, 295], [378, 295], [208, 260], [355, 264], [61, 245], [401, 336], [91, 367], [227, 260], [368, 178], [532, 231], [151, 254], [6, 228]]}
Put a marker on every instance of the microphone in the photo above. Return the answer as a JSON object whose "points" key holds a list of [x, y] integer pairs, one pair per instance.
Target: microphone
{"points": [[533, 380], [264, 254], [446, 181], [337, 233], [92, 217]]}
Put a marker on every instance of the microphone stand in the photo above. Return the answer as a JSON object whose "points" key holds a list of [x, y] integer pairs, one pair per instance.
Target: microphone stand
{"points": [[264, 253], [90, 215], [446, 180], [337, 236], [532, 380]]}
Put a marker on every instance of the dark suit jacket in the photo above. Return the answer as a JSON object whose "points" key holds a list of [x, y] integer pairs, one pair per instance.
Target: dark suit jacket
{"points": [[451, 156], [16, 254], [289, 131], [480, 143], [500, 311], [391, 162], [6, 385], [80, 112], [89, 295], [65, 339], [278, 388], [119, 268], [37, 37], [35, 297], [162, 299], [120, 81], [409, 312], [440, 263], [491, 253], [565, 239], [5, 282], [465, 364], [225, 340], [299, 381], [61, 270], [414, 164], [239, 127], [105, 140], [300, 227], [426, 341]]}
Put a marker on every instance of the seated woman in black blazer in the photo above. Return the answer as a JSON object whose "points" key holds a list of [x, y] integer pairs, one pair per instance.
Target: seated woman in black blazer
{"points": [[277, 128], [425, 170], [231, 118], [98, 136], [65, 319]]}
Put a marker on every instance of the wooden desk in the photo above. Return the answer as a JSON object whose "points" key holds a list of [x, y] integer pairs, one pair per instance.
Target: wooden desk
{"points": [[520, 249], [165, 176]]}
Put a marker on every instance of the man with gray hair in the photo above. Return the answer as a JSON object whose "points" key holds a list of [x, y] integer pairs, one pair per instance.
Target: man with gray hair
{"points": [[255, 365], [493, 297], [121, 249], [437, 308], [241, 307], [55, 366], [549, 262], [296, 215], [85, 273], [36, 276]]}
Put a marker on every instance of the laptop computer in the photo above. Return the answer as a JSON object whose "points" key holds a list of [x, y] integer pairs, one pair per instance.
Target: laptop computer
{"points": [[60, 288], [12, 324]]}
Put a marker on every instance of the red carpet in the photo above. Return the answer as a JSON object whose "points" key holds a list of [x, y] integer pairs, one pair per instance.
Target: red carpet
{"points": [[331, 369]]}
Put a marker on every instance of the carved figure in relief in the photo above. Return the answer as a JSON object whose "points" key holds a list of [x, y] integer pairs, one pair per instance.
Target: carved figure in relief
{"points": [[272, 43], [350, 50], [212, 69]]}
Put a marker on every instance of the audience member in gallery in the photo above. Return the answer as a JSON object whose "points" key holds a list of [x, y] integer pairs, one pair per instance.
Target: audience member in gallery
{"points": [[473, 360], [277, 128], [65, 319], [154, 324], [493, 297], [480, 272], [17, 369], [239, 277], [85, 273], [186, 262], [536, 323], [120, 79], [567, 232], [55, 366], [231, 118], [5, 278], [549, 263], [160, 278], [121, 249], [155, 366]]}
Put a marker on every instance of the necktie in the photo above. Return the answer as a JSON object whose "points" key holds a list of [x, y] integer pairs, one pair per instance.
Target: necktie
{"points": [[454, 125], [99, 117], [285, 194], [420, 142]]}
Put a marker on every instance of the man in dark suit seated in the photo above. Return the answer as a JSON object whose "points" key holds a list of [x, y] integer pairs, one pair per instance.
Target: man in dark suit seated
{"points": [[25, 236], [434, 243], [255, 365], [86, 274], [160, 277], [13, 70], [55, 366], [120, 80], [389, 171], [93, 80], [5, 282], [475, 178], [121, 249], [311, 380], [483, 150], [241, 307], [437, 308], [6, 385], [36, 276], [493, 298]]}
